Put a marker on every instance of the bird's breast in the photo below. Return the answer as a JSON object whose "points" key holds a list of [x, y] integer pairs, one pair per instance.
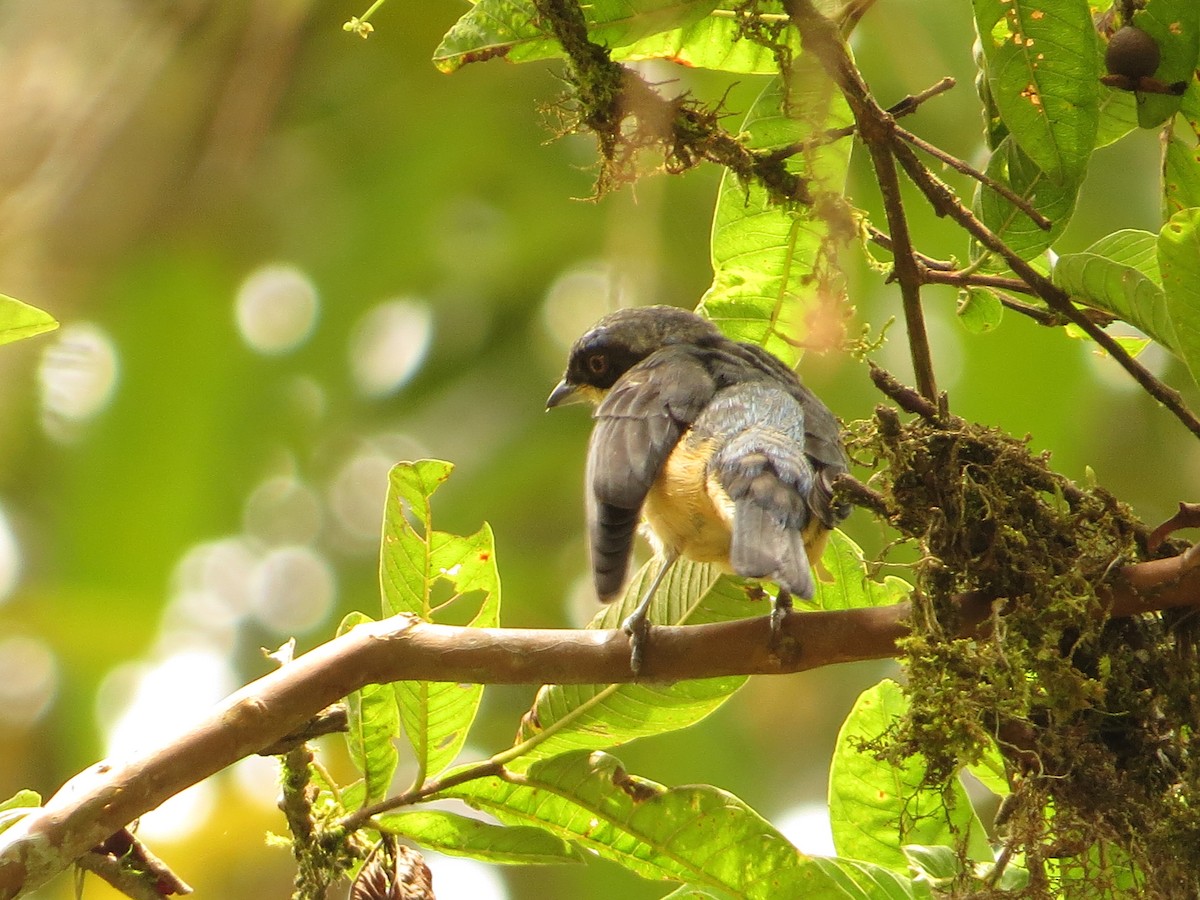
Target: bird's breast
{"points": [[686, 510]]}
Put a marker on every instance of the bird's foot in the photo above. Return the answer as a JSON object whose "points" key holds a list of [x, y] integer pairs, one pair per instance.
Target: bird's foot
{"points": [[779, 614], [637, 626]]}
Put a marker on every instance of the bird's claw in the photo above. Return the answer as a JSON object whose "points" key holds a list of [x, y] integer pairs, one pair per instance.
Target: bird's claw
{"points": [[779, 615], [638, 629]]}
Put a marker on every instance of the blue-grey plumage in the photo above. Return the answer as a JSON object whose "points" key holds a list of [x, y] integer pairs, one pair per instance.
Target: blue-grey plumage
{"points": [[716, 443]]}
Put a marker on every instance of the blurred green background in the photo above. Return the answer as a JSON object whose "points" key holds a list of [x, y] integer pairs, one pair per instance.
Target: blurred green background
{"points": [[285, 258]]}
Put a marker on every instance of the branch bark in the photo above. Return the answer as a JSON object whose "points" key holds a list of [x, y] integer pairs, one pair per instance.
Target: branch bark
{"points": [[107, 796]]}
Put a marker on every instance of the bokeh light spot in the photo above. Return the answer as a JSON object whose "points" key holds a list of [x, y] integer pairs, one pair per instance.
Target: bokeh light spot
{"points": [[276, 308], [807, 826], [294, 589], [458, 877], [28, 679], [388, 346], [78, 376], [282, 510], [577, 298], [357, 496], [10, 557], [164, 697], [213, 580]]}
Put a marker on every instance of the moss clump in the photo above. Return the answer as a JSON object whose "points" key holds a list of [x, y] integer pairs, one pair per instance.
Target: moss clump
{"points": [[1093, 716]]}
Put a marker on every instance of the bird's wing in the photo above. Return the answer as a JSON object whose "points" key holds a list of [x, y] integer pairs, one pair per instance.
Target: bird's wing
{"points": [[637, 427], [823, 445], [762, 464]]}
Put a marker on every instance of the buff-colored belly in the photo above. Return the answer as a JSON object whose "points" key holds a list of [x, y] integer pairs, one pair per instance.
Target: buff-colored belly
{"points": [[681, 511]]}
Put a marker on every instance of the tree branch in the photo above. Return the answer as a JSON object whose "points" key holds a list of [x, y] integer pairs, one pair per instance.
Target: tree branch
{"points": [[104, 798]]}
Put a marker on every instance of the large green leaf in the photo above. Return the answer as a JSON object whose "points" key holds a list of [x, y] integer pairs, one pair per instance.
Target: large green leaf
{"points": [[775, 276], [1179, 261], [20, 320], [373, 724], [451, 833], [698, 835], [1181, 176], [1053, 198], [851, 586], [1043, 70], [1118, 116], [875, 807], [1119, 274], [514, 30], [415, 560], [593, 717], [713, 42], [1175, 25]]}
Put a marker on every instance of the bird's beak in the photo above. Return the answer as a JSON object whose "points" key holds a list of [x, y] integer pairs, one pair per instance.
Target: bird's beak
{"points": [[564, 392]]}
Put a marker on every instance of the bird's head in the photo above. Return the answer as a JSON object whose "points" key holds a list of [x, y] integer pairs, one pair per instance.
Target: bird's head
{"points": [[620, 341]]}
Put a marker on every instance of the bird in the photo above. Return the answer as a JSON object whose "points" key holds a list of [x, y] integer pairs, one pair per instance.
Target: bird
{"points": [[713, 443]]}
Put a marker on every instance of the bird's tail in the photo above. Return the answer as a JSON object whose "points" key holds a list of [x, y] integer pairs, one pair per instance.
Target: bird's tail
{"points": [[611, 543], [764, 546]]}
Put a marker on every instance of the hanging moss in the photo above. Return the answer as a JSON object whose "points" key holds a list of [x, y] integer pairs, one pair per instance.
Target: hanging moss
{"points": [[1094, 717]]}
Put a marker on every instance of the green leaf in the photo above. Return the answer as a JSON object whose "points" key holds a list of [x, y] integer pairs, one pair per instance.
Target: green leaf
{"points": [[875, 807], [373, 724], [991, 772], [775, 277], [1118, 116], [698, 835], [458, 835], [415, 561], [1119, 274], [1054, 199], [16, 807], [714, 42], [1179, 261], [938, 864], [20, 320], [1175, 25], [979, 310], [851, 586], [691, 892], [1181, 177], [1043, 70], [593, 717], [514, 30]]}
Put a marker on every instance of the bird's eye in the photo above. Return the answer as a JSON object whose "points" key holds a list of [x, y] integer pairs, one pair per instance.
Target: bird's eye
{"points": [[597, 363]]}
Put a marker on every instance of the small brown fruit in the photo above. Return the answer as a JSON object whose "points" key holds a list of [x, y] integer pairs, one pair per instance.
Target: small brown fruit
{"points": [[1132, 53]]}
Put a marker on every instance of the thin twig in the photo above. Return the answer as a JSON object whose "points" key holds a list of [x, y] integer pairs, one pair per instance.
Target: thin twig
{"points": [[946, 202], [904, 107], [959, 165]]}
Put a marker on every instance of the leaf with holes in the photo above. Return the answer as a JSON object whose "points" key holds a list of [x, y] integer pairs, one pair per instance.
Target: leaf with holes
{"points": [[1175, 26], [416, 562], [1179, 262], [372, 725], [1181, 177], [1043, 70]]}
